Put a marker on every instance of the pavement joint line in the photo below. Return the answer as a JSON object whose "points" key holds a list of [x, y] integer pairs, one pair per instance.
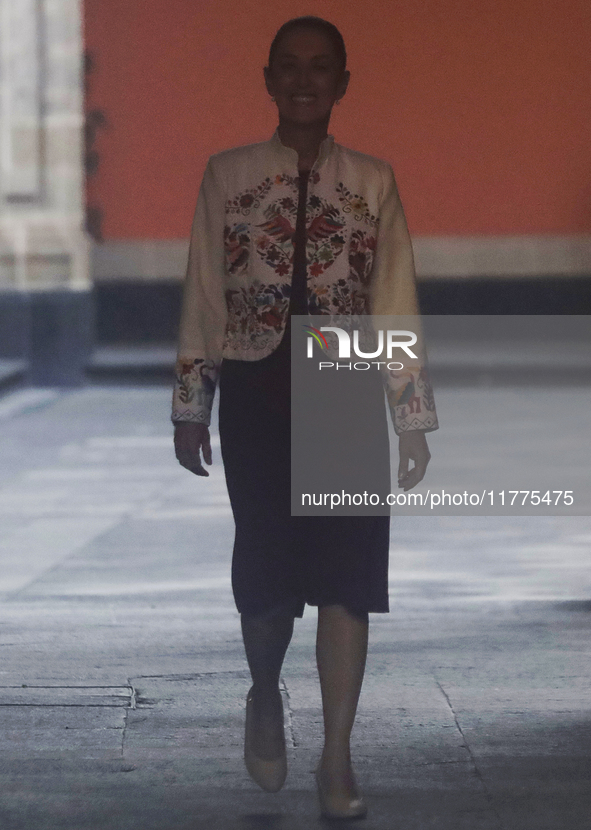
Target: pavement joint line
{"points": [[435, 764], [132, 705], [175, 677], [487, 793], [133, 699], [125, 700], [290, 731]]}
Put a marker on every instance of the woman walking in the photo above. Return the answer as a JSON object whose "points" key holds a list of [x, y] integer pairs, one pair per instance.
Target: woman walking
{"points": [[297, 224]]}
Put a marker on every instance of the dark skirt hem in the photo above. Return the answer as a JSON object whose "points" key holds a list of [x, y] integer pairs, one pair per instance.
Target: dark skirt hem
{"points": [[297, 608]]}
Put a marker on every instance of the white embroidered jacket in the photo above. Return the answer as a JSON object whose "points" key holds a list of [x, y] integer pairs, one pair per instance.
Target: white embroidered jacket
{"points": [[238, 280]]}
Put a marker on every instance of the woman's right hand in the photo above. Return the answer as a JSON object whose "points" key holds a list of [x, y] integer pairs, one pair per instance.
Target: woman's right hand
{"points": [[189, 439]]}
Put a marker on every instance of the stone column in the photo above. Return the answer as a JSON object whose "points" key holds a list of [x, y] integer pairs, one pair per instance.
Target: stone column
{"points": [[45, 288]]}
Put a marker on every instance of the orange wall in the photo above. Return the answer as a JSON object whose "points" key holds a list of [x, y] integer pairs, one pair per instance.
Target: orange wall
{"points": [[482, 108]]}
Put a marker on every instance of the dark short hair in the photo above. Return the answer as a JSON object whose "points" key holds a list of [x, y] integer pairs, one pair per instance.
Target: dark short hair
{"points": [[318, 24]]}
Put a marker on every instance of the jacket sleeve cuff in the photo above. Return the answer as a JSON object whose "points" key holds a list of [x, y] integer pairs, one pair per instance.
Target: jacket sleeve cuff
{"points": [[411, 402], [194, 390]]}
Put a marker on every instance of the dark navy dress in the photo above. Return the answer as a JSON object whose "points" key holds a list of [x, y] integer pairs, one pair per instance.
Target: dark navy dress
{"points": [[282, 561]]}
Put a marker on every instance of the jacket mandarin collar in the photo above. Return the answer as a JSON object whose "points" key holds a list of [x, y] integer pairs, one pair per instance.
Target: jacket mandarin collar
{"points": [[290, 156]]}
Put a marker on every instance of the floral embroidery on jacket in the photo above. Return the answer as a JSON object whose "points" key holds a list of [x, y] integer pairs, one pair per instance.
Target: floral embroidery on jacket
{"points": [[319, 299], [237, 248], [252, 197], [353, 203], [344, 296], [256, 311], [248, 199], [324, 237], [362, 248], [324, 240], [347, 298]]}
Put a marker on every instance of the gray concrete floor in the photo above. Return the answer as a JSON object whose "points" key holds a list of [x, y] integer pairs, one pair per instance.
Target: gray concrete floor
{"points": [[122, 674]]}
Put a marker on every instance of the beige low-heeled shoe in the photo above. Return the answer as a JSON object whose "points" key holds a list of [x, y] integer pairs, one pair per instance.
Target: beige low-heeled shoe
{"points": [[339, 808], [269, 775]]}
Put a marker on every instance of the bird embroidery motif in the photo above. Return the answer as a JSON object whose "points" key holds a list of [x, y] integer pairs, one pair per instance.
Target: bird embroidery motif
{"points": [[278, 227], [325, 225]]}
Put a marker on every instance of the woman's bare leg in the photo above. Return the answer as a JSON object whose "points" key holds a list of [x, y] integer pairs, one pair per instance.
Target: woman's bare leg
{"points": [[266, 639], [341, 651]]}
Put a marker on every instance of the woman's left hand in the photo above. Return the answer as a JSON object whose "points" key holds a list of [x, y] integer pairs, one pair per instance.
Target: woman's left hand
{"points": [[412, 446]]}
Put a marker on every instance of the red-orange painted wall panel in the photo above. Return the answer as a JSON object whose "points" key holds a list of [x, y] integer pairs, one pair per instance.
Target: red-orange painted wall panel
{"points": [[482, 108]]}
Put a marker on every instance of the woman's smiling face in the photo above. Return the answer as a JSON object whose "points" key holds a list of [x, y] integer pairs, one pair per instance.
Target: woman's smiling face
{"points": [[306, 77]]}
